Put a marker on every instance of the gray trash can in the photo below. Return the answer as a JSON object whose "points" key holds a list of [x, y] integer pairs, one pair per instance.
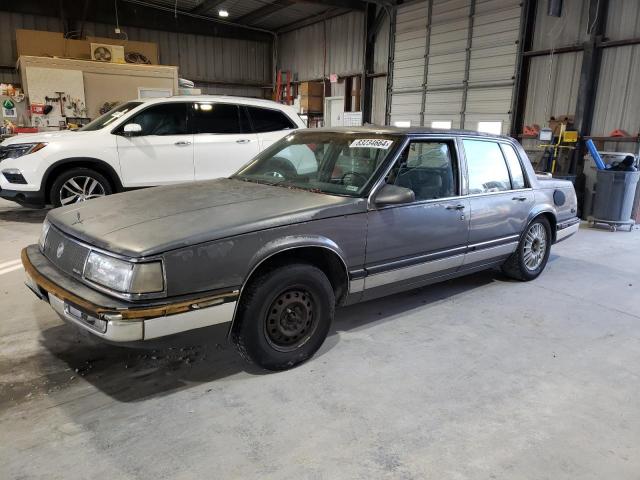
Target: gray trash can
{"points": [[615, 192]]}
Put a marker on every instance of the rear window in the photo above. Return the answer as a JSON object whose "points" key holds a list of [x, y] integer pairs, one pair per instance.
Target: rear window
{"points": [[268, 120]]}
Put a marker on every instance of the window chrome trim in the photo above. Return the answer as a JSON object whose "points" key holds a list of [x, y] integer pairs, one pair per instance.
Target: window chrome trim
{"points": [[131, 260]]}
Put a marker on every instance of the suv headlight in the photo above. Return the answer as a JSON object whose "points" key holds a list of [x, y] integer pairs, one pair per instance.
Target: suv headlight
{"points": [[123, 276], [20, 149], [43, 234]]}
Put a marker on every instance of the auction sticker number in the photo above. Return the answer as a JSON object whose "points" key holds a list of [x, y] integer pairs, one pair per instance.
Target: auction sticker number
{"points": [[371, 143]]}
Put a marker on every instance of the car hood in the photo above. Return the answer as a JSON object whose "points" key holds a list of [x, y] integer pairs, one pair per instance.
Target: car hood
{"points": [[45, 137], [154, 220]]}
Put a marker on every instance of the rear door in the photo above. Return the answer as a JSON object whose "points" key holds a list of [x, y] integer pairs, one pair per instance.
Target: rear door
{"points": [[269, 123], [162, 152], [222, 139], [499, 197]]}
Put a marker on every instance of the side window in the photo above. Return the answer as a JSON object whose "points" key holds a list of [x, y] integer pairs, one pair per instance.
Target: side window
{"points": [[515, 167], [215, 118], [164, 119], [428, 168], [268, 120], [486, 166]]}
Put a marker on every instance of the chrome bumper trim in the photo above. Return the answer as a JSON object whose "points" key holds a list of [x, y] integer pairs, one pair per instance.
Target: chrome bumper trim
{"points": [[567, 232]]}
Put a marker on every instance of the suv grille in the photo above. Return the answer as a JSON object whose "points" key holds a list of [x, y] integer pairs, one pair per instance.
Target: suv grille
{"points": [[65, 253]]}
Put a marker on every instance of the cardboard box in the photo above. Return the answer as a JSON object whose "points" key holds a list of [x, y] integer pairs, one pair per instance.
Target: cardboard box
{"points": [[311, 104], [311, 89]]}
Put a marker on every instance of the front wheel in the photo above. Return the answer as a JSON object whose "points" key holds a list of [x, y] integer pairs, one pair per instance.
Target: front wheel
{"points": [[532, 254], [284, 316], [78, 185]]}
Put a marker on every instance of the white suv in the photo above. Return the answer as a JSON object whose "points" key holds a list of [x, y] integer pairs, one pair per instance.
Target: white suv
{"points": [[139, 144]]}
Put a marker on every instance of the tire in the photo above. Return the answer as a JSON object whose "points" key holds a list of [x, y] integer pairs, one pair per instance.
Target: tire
{"points": [[78, 185], [528, 262], [278, 305]]}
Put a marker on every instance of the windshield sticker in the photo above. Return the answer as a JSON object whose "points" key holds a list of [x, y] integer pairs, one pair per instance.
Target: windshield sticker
{"points": [[352, 188], [371, 143]]}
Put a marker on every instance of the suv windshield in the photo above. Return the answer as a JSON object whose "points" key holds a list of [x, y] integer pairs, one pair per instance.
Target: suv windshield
{"points": [[329, 162], [110, 117]]}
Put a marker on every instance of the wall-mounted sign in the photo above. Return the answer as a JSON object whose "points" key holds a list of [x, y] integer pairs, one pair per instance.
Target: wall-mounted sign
{"points": [[333, 78]]}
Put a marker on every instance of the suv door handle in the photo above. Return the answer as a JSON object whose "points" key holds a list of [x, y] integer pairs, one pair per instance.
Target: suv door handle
{"points": [[182, 143], [455, 207], [243, 140], [521, 199]]}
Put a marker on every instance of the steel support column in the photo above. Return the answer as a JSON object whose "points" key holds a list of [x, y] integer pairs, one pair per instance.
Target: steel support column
{"points": [[525, 42]]}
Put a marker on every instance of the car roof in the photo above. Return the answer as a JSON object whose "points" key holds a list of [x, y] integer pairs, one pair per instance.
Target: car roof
{"points": [[387, 130], [217, 98]]}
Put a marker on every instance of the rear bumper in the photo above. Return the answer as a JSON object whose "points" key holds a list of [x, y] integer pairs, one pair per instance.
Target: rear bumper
{"points": [[117, 321], [24, 197], [566, 229]]}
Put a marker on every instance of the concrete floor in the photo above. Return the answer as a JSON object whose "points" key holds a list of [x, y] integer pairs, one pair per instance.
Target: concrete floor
{"points": [[475, 378]]}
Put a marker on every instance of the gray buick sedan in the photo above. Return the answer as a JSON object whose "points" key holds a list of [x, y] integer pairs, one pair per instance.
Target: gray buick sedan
{"points": [[322, 218]]}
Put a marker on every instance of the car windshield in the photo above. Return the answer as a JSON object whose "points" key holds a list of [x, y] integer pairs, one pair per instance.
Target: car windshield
{"points": [[110, 117], [329, 162]]}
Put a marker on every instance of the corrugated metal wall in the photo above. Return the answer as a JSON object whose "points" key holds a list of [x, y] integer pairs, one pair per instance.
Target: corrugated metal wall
{"points": [[302, 51], [553, 87], [471, 47], [553, 80], [200, 58]]}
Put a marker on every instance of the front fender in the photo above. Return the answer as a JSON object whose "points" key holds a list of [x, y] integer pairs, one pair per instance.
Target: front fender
{"points": [[291, 242]]}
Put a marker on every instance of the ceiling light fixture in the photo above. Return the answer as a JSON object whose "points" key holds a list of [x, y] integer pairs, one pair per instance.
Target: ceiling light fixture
{"points": [[223, 13]]}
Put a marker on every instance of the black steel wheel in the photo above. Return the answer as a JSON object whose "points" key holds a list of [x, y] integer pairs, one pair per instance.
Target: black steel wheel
{"points": [[284, 316], [290, 320]]}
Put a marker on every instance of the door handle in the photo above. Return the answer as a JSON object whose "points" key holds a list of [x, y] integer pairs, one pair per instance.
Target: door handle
{"points": [[520, 199], [182, 143], [244, 140], [455, 207]]}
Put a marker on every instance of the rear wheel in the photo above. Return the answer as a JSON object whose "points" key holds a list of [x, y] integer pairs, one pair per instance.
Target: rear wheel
{"points": [[284, 316], [532, 254], [78, 185]]}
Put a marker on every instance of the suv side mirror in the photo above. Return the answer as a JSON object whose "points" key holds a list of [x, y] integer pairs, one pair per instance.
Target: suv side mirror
{"points": [[393, 195], [132, 129]]}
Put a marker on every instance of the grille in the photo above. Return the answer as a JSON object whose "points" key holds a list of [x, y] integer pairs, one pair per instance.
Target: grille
{"points": [[73, 255]]}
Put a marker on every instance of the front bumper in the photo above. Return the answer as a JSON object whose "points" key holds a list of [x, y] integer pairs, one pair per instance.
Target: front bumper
{"points": [[116, 320], [26, 198]]}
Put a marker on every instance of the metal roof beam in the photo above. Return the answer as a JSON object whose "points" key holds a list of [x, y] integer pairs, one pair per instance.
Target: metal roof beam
{"points": [[205, 6], [264, 12], [348, 4]]}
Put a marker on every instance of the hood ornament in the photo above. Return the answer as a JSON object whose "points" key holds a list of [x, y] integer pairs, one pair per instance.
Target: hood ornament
{"points": [[78, 219]]}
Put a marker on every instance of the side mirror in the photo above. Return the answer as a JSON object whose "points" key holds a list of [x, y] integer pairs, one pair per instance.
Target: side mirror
{"points": [[393, 195], [132, 129]]}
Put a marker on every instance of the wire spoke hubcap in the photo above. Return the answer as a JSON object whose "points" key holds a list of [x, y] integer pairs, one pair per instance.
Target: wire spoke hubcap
{"points": [[291, 320], [535, 246], [80, 189]]}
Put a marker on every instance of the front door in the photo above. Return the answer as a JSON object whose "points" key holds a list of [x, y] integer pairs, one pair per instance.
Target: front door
{"points": [[162, 152], [500, 200], [411, 243], [223, 140]]}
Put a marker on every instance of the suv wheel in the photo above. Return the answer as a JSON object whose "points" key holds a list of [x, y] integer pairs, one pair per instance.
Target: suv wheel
{"points": [[530, 258], [284, 316], [78, 185]]}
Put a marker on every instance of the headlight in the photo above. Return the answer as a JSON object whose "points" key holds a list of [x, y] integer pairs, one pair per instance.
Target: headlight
{"points": [[20, 149], [123, 276], [43, 234]]}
